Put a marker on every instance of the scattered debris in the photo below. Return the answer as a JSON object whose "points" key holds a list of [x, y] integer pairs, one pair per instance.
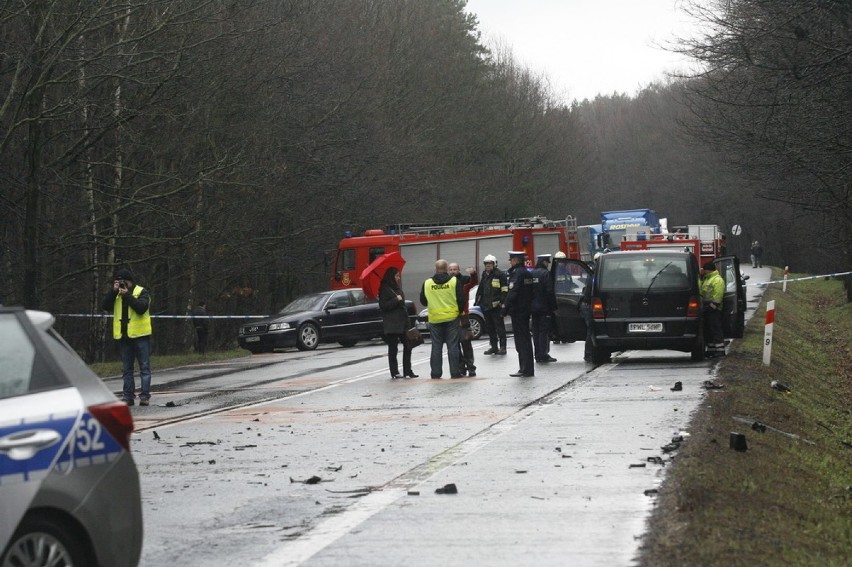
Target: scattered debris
{"points": [[762, 427], [170, 404], [313, 480], [651, 492], [241, 447], [678, 386], [737, 442], [636, 465], [334, 469], [781, 387], [447, 489], [520, 472], [656, 460], [156, 436], [414, 493], [211, 462], [654, 388], [673, 446], [194, 443], [711, 385]]}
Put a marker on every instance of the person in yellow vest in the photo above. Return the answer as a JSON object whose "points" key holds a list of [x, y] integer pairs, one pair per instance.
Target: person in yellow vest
{"points": [[444, 297], [130, 305], [712, 299]]}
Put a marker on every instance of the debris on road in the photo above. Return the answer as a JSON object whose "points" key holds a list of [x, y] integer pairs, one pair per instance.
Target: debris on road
{"points": [[651, 492], [447, 489], [636, 465], [312, 480], [762, 427], [156, 436], [678, 386], [711, 385]]}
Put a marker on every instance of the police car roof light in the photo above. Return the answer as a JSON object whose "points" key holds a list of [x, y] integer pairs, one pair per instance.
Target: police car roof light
{"points": [[116, 419]]}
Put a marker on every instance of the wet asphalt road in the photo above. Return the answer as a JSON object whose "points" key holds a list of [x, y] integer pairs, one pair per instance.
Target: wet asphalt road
{"points": [[552, 470]]}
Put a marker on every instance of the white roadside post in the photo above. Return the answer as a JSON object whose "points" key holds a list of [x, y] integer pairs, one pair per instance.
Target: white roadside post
{"points": [[767, 332], [786, 274]]}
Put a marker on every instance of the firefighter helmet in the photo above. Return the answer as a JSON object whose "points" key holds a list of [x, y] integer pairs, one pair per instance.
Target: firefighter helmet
{"points": [[490, 258], [559, 255]]}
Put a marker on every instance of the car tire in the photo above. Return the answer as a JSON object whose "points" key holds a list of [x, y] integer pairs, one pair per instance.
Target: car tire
{"points": [[600, 355], [307, 337], [41, 541], [697, 352], [348, 343], [477, 325]]}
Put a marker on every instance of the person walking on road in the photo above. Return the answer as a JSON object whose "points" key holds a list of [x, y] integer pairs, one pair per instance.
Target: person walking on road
{"points": [[542, 307], [756, 255], [490, 296], [444, 298], [201, 324], [466, 359], [130, 305], [395, 323], [712, 297], [517, 306]]}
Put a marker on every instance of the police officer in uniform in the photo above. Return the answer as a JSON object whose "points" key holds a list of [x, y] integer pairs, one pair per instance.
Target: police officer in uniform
{"points": [[490, 296], [543, 306], [518, 302]]}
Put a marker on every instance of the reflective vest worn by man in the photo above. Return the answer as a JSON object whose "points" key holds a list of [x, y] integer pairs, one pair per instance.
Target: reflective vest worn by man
{"points": [[444, 299], [712, 299]]}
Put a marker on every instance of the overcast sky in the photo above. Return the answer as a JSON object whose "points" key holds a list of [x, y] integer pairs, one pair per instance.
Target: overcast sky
{"points": [[587, 47]]}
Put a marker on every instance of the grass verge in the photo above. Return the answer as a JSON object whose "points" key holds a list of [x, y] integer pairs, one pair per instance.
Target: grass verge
{"points": [[110, 369], [784, 501]]}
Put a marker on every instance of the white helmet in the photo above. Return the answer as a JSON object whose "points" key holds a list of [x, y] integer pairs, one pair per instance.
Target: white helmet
{"points": [[597, 255], [490, 258], [559, 255]]}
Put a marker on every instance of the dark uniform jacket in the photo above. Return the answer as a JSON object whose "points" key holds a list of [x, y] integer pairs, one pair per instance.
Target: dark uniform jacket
{"points": [[394, 317], [543, 297], [519, 298], [490, 294]]}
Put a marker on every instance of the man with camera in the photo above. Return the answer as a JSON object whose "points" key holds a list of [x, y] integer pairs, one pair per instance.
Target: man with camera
{"points": [[131, 327]]}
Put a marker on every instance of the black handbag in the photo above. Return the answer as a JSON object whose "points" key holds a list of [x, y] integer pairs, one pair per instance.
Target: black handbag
{"points": [[413, 337]]}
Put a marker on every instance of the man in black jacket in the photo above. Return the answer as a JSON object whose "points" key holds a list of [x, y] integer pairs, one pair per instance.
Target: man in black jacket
{"points": [[490, 296], [543, 306], [517, 306]]}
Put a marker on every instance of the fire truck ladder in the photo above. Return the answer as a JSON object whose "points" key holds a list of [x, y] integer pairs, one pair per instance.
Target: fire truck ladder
{"points": [[570, 223]]}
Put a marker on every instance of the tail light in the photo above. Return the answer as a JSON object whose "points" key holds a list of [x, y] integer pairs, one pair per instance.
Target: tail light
{"points": [[116, 419], [693, 308], [597, 308]]}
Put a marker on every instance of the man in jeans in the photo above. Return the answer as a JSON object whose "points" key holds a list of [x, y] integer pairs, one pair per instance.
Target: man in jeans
{"points": [[131, 327], [443, 295]]}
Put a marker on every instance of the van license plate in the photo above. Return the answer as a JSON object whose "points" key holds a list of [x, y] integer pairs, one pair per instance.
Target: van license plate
{"points": [[252, 339], [645, 327]]}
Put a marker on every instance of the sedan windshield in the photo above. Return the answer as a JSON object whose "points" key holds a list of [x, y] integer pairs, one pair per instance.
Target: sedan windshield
{"points": [[305, 303]]}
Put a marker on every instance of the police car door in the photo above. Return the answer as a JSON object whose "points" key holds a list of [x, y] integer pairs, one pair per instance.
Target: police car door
{"points": [[734, 303], [39, 413], [570, 278]]}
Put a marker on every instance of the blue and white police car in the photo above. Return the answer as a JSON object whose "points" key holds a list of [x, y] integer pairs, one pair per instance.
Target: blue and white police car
{"points": [[69, 489]]}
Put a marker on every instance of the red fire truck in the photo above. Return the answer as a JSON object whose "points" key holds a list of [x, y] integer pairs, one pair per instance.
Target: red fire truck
{"points": [[465, 243], [705, 241]]}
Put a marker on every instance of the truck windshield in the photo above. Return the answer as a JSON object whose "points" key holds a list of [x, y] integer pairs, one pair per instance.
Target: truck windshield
{"points": [[644, 272]]}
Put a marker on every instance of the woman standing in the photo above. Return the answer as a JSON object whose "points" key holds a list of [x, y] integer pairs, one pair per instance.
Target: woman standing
{"points": [[395, 319]]}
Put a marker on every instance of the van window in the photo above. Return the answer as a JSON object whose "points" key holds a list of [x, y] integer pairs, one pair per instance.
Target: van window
{"points": [[643, 272]]}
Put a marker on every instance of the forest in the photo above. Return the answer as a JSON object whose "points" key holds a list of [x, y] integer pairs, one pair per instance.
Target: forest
{"points": [[219, 148]]}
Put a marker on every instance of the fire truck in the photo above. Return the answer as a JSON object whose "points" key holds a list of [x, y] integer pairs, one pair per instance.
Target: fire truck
{"points": [[705, 241], [465, 243]]}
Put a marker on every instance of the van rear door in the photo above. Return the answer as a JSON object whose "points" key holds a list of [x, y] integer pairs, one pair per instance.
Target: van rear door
{"points": [[570, 278]]}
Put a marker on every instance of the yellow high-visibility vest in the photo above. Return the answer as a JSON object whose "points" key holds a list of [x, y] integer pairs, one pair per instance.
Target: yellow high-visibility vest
{"points": [[441, 300], [138, 325]]}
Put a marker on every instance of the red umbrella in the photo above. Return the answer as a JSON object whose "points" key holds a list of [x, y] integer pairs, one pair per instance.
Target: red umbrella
{"points": [[371, 277]]}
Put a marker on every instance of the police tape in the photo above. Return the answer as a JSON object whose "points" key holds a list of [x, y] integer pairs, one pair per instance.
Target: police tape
{"points": [[195, 317], [763, 284]]}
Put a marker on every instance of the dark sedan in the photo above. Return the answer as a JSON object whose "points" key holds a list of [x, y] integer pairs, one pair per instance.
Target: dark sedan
{"points": [[342, 316]]}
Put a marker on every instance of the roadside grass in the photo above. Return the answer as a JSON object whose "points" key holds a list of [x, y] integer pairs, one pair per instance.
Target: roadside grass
{"points": [[161, 362], [784, 501]]}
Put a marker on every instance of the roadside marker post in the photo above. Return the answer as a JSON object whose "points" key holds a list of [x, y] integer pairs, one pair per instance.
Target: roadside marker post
{"points": [[767, 332], [786, 275]]}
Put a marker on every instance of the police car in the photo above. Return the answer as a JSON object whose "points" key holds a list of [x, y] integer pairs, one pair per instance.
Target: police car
{"points": [[69, 489]]}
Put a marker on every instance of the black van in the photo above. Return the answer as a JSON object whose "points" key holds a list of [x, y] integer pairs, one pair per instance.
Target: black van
{"points": [[642, 299]]}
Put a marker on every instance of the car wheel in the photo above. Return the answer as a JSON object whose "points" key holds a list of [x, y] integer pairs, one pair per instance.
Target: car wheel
{"points": [[697, 352], [308, 337], [476, 327], [348, 343], [600, 355], [42, 542]]}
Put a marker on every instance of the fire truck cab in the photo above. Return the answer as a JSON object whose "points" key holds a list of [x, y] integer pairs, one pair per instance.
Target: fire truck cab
{"points": [[465, 243]]}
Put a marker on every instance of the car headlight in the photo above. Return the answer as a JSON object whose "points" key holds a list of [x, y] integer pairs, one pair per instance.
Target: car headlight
{"points": [[279, 326]]}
